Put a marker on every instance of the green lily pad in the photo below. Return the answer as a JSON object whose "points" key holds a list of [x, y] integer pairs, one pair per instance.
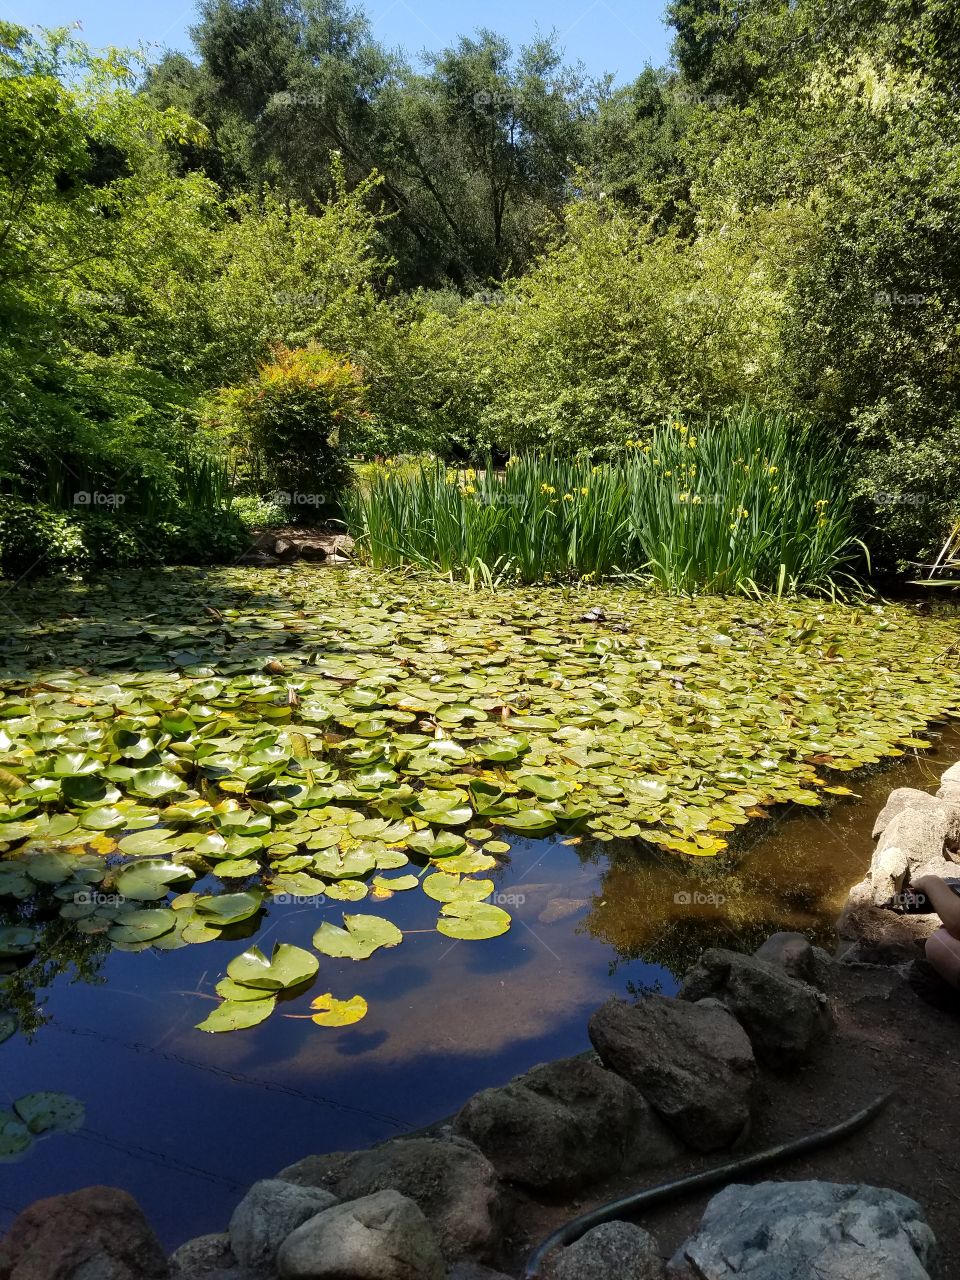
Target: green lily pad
{"points": [[288, 966], [362, 936], [472, 921], [238, 1015]]}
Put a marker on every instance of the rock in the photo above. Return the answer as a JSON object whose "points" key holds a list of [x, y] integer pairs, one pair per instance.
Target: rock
{"points": [[379, 1237], [783, 1017], [450, 1180], [916, 838], [613, 1251], [561, 909], [797, 957], [873, 935], [565, 1125], [787, 1230], [899, 799], [473, 1271], [267, 1214], [205, 1258], [96, 1232], [693, 1063], [284, 550], [311, 549], [264, 541]]}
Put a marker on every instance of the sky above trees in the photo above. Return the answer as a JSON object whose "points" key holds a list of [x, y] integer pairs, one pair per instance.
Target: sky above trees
{"points": [[614, 36]]}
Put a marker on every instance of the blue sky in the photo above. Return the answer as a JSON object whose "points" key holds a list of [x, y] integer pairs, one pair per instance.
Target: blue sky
{"points": [[620, 36]]}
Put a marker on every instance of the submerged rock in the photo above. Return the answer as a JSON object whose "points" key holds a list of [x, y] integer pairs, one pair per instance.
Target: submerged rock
{"points": [[564, 1125], [451, 1181], [783, 1017], [613, 1251], [84, 1235], [378, 1237], [693, 1063], [267, 1214], [798, 1230]]}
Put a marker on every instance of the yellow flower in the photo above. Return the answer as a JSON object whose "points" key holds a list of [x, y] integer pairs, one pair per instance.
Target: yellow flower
{"points": [[772, 471], [668, 473], [824, 502], [547, 488], [629, 443], [683, 497], [512, 461], [691, 442], [697, 500], [589, 577], [451, 477], [584, 492], [471, 474], [568, 497], [744, 513], [468, 488], [595, 471]]}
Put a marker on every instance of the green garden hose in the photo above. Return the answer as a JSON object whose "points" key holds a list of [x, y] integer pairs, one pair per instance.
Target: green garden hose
{"points": [[629, 1205]]}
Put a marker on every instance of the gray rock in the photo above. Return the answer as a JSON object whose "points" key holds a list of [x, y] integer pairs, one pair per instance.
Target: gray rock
{"points": [[797, 957], [379, 1237], [453, 1183], [798, 1230], [915, 838], [870, 935], [564, 1125], [693, 1063], [613, 1251], [267, 1214], [473, 1271], [204, 1258], [783, 1017], [901, 798]]}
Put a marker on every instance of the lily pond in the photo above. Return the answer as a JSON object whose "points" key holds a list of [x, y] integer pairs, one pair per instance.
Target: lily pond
{"points": [[298, 859]]}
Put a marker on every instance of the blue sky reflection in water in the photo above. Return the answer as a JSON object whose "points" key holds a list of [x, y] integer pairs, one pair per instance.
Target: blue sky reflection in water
{"points": [[186, 1121]]}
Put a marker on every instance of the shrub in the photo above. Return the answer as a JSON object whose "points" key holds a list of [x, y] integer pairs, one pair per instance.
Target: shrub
{"points": [[285, 427]]}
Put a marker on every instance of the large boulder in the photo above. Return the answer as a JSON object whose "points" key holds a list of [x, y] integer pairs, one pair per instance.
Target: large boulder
{"points": [[565, 1125], [917, 841], [692, 1062], [613, 1251], [379, 1237], [949, 788], [267, 1214], [901, 798], [205, 1258], [798, 1230], [797, 957], [453, 1183], [783, 1017], [872, 935], [99, 1231]]}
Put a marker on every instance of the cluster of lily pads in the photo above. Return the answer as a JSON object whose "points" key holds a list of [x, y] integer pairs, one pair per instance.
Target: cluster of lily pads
{"points": [[34, 1115], [345, 735]]}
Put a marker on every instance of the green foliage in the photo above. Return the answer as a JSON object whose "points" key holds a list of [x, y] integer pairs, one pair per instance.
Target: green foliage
{"points": [[285, 427], [745, 503]]}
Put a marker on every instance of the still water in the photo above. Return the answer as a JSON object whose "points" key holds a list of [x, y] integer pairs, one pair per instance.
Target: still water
{"points": [[186, 1121]]}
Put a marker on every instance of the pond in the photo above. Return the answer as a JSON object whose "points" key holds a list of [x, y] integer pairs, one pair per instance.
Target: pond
{"points": [[682, 719]]}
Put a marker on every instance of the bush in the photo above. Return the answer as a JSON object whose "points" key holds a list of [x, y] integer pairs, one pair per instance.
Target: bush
{"points": [[285, 427]]}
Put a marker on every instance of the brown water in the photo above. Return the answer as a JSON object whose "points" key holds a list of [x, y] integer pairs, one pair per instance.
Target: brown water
{"points": [[187, 1121]]}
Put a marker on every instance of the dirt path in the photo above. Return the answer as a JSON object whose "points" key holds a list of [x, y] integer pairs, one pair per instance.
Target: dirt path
{"points": [[886, 1038]]}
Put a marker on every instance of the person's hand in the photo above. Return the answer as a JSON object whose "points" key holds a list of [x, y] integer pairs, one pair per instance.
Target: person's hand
{"points": [[921, 885]]}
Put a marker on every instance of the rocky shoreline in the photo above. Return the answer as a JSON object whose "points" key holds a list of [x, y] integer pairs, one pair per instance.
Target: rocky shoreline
{"points": [[670, 1080]]}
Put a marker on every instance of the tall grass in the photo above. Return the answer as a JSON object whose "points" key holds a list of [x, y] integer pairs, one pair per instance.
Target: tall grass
{"points": [[747, 502]]}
